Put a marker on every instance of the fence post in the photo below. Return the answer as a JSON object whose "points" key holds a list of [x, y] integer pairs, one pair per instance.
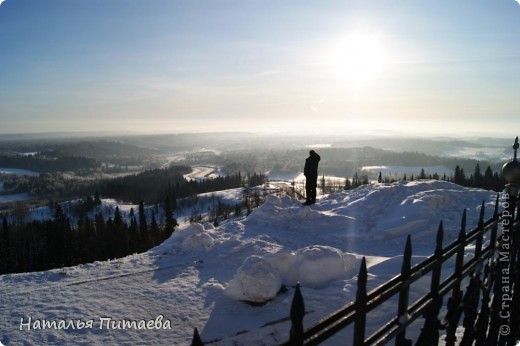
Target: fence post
{"points": [[297, 313], [482, 324], [455, 301], [402, 309], [511, 174], [480, 235], [361, 305], [494, 230], [196, 341], [471, 299], [430, 331]]}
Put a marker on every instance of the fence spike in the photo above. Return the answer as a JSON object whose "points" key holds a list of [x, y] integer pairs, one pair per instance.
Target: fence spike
{"points": [[480, 236], [494, 228], [481, 218], [463, 224], [482, 324], [297, 313], [495, 213], [455, 301], [440, 238], [196, 341], [436, 272], [402, 309], [471, 303], [407, 256], [460, 253], [361, 303], [430, 331]]}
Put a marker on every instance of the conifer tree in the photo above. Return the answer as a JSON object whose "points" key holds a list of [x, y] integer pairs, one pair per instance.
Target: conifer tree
{"points": [[170, 222], [142, 218], [348, 185], [477, 176], [460, 177], [154, 228], [423, 174], [97, 200], [133, 230]]}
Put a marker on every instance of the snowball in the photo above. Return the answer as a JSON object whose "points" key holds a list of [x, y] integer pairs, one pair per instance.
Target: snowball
{"points": [[255, 281], [197, 241], [320, 265], [313, 266], [208, 226], [285, 263], [192, 237]]}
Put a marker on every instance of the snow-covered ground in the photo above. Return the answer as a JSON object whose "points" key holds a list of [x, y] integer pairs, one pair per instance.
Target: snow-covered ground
{"points": [[203, 172], [201, 274], [492, 154], [18, 171]]}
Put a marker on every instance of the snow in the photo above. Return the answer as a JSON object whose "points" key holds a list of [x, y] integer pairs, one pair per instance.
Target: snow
{"points": [[256, 281], [18, 171], [207, 277], [203, 172]]}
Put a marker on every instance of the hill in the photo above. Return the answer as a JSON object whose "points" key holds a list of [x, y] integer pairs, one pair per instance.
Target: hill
{"points": [[201, 275]]}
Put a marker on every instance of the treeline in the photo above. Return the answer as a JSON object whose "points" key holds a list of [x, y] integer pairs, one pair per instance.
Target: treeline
{"points": [[46, 185], [153, 185], [47, 244], [488, 180], [48, 162]]}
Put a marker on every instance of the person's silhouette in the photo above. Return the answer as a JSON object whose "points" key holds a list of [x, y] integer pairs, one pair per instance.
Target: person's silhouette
{"points": [[311, 177]]}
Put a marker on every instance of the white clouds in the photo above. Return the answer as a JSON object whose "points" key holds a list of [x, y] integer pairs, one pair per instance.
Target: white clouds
{"points": [[1, 2], [518, 1]]}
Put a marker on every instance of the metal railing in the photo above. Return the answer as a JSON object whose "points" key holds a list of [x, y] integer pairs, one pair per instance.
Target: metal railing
{"points": [[491, 272]]}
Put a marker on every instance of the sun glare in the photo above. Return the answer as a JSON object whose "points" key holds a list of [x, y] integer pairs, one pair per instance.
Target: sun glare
{"points": [[358, 57]]}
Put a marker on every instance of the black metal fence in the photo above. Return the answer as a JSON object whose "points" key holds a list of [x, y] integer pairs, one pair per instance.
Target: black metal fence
{"points": [[490, 316]]}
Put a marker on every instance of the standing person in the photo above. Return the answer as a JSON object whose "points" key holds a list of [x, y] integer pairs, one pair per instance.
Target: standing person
{"points": [[311, 177]]}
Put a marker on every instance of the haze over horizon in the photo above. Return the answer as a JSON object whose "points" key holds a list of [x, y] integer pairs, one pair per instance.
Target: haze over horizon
{"points": [[406, 67]]}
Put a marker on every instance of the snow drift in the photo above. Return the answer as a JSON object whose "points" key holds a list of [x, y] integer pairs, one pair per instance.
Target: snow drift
{"points": [[201, 274]]}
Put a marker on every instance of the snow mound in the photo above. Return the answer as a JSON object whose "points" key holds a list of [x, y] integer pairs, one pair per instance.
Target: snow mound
{"points": [[256, 281], [314, 266], [197, 241], [259, 279], [320, 265], [280, 209], [193, 237]]}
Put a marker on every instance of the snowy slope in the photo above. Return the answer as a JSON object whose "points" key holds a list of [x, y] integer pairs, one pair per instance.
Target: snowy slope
{"points": [[199, 276]]}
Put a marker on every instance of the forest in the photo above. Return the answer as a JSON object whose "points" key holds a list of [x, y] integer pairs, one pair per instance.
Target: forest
{"points": [[58, 242]]}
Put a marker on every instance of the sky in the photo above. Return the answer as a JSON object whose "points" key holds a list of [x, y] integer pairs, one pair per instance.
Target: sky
{"points": [[162, 66]]}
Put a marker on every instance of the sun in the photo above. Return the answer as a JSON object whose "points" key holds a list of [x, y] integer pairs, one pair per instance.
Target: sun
{"points": [[358, 57]]}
